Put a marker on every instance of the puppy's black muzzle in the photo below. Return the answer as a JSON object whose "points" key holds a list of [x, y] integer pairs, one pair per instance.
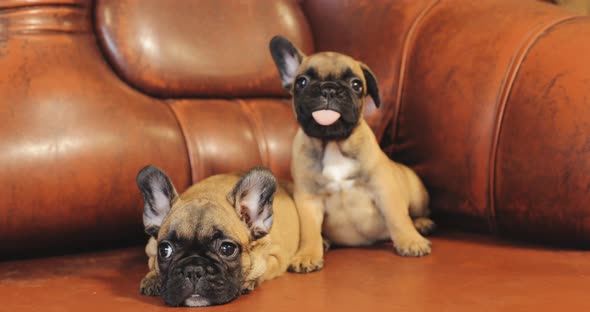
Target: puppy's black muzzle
{"points": [[332, 95], [196, 275]]}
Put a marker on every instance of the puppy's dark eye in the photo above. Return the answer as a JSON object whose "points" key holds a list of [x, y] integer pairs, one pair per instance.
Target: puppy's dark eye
{"points": [[228, 249], [165, 250], [357, 85], [301, 82]]}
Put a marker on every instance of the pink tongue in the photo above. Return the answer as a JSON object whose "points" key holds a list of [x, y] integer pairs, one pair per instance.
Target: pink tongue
{"points": [[325, 117]]}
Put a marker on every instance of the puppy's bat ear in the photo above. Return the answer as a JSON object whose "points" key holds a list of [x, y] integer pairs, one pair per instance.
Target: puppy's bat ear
{"points": [[372, 86], [287, 58], [252, 197], [158, 196]]}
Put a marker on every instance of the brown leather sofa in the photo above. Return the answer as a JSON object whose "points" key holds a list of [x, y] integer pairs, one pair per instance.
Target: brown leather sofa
{"points": [[488, 100]]}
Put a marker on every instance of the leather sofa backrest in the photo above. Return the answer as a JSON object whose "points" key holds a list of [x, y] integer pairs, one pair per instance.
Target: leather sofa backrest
{"points": [[179, 48]]}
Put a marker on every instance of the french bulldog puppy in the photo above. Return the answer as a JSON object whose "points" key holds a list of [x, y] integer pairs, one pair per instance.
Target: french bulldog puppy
{"points": [[345, 186], [219, 239]]}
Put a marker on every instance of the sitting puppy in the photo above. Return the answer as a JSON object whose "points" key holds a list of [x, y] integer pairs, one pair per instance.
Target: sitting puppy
{"points": [[345, 186], [220, 238]]}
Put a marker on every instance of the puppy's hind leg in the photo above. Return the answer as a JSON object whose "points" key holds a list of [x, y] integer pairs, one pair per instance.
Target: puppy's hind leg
{"points": [[419, 213], [395, 206], [422, 222], [425, 226], [418, 208]]}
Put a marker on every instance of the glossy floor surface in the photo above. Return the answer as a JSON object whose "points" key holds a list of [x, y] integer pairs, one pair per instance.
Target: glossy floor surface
{"points": [[464, 273]]}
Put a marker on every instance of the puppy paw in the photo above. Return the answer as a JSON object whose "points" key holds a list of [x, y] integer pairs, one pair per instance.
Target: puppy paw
{"points": [[306, 264], [150, 285], [248, 287], [413, 246], [425, 226]]}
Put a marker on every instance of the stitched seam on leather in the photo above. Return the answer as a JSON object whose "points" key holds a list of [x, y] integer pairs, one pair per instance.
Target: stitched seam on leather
{"points": [[256, 125], [408, 43], [502, 102], [171, 105], [55, 4]]}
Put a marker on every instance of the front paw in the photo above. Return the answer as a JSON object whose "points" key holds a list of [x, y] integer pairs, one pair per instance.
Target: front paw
{"points": [[306, 264], [150, 285], [413, 246], [248, 287]]}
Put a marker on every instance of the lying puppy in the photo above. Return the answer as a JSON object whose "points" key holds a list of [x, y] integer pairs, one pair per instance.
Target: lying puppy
{"points": [[344, 184], [220, 238]]}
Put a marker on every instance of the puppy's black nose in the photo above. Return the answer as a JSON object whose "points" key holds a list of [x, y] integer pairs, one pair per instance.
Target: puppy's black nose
{"points": [[328, 92], [329, 89], [194, 272]]}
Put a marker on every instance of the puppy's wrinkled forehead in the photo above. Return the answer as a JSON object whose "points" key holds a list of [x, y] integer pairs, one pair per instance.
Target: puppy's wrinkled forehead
{"points": [[331, 66], [198, 220]]}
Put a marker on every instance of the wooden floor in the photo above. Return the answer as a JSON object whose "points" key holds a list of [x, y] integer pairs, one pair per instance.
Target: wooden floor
{"points": [[464, 273]]}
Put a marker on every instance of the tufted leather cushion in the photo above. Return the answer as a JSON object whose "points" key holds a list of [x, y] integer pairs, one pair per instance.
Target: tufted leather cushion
{"points": [[235, 135], [181, 48]]}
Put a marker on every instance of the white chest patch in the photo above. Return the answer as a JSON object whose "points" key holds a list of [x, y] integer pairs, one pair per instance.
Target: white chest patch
{"points": [[338, 169]]}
